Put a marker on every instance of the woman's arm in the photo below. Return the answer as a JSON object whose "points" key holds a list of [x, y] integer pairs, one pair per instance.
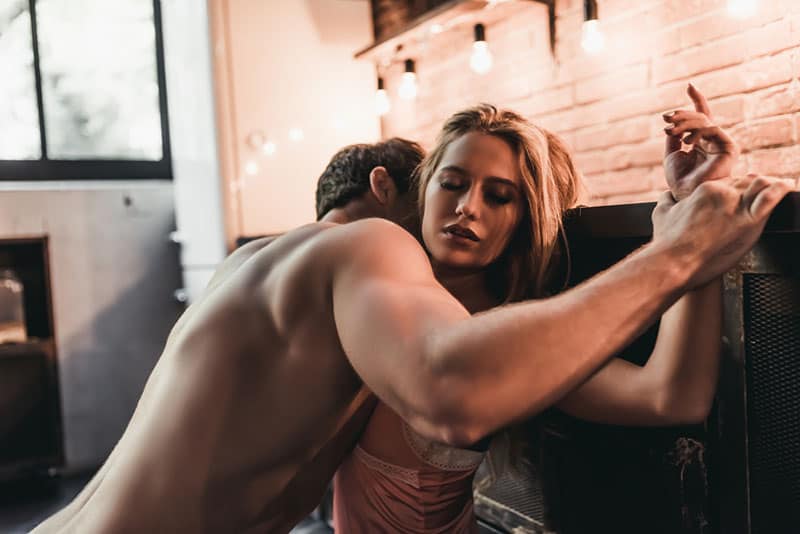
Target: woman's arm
{"points": [[677, 384]]}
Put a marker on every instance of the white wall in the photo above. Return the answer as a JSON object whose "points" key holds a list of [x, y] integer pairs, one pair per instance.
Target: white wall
{"points": [[113, 271], [289, 64], [193, 140]]}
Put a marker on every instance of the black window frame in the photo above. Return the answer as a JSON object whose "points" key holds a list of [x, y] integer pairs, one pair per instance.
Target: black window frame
{"points": [[45, 169]]}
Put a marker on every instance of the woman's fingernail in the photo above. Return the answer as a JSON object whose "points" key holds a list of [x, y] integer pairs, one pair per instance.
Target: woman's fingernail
{"points": [[668, 114], [669, 126]]}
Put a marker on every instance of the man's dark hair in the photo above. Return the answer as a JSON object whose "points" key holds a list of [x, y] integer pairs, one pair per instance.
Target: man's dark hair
{"points": [[347, 174]]}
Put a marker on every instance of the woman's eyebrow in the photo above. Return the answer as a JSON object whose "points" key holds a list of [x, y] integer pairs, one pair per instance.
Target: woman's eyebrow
{"points": [[505, 181], [456, 169]]}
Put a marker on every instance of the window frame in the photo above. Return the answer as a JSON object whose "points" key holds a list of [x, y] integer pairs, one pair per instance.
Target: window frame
{"points": [[46, 169]]}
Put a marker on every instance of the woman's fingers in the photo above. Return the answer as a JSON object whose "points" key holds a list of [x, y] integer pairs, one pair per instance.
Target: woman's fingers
{"points": [[700, 102], [683, 126]]}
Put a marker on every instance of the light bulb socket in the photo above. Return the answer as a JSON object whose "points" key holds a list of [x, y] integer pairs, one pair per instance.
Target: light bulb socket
{"points": [[589, 10], [409, 65], [480, 32], [380, 84]]}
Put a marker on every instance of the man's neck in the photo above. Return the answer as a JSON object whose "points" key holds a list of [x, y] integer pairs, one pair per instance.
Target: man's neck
{"points": [[337, 215], [352, 211]]}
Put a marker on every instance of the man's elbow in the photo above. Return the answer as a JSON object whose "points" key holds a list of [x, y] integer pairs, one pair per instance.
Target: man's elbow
{"points": [[448, 418]]}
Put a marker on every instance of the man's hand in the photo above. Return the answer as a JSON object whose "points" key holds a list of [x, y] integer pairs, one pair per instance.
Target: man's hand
{"points": [[718, 223], [712, 152]]}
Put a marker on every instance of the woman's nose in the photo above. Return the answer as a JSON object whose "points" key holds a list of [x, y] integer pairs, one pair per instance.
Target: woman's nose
{"points": [[469, 204]]}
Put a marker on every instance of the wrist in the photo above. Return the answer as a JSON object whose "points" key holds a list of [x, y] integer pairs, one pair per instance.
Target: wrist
{"points": [[678, 263]]}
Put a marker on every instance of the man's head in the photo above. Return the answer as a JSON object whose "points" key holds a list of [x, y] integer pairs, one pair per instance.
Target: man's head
{"points": [[373, 180]]}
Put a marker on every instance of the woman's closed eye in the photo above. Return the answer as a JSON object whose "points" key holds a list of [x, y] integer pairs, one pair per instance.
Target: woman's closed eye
{"points": [[499, 198], [451, 185]]}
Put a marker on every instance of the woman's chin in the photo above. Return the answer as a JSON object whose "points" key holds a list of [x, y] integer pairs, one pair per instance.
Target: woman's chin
{"points": [[457, 260]]}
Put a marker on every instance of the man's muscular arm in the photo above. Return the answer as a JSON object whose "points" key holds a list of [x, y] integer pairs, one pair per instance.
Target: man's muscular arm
{"points": [[456, 378]]}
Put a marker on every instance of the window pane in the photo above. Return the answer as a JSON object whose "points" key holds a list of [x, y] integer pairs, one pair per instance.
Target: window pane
{"points": [[19, 119], [99, 81]]}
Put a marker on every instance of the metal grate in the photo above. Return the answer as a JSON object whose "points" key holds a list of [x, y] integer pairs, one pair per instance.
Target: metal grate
{"points": [[772, 344], [513, 502]]}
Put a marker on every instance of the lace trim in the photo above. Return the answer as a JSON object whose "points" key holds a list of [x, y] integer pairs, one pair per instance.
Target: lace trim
{"points": [[439, 455], [409, 476]]}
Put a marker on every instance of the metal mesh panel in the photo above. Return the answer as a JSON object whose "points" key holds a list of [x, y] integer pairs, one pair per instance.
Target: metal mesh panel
{"points": [[512, 501], [772, 341]]}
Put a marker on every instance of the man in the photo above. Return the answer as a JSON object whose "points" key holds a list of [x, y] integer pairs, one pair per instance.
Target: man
{"points": [[260, 390]]}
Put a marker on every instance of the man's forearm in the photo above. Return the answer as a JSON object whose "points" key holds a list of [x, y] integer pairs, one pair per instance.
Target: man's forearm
{"points": [[513, 362]]}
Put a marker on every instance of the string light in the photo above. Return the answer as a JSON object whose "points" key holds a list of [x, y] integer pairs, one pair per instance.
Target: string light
{"points": [[251, 168], [408, 85], [269, 148], [742, 9], [481, 59], [592, 39], [382, 103]]}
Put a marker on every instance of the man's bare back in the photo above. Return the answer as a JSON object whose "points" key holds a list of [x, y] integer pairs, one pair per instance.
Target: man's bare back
{"points": [[248, 412]]}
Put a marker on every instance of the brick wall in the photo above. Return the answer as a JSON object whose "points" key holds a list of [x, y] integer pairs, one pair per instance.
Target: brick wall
{"points": [[608, 107]]}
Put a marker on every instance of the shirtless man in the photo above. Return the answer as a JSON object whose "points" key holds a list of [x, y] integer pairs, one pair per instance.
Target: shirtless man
{"points": [[260, 389]]}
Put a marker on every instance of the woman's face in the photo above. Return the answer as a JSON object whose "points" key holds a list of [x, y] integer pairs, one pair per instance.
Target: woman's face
{"points": [[473, 202]]}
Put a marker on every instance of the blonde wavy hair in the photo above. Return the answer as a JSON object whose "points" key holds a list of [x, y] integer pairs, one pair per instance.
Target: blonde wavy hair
{"points": [[550, 186]]}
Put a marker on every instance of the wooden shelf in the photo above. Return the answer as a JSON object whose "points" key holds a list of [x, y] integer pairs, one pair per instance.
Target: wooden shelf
{"points": [[449, 15], [37, 346]]}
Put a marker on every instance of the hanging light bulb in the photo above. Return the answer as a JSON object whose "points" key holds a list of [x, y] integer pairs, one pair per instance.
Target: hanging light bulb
{"points": [[742, 9], [408, 85], [481, 59], [382, 103], [592, 39]]}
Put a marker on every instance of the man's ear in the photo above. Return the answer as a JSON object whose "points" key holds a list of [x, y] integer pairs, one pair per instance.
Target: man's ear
{"points": [[382, 186]]}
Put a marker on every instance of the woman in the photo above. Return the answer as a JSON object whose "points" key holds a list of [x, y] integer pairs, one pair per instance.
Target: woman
{"points": [[493, 192]]}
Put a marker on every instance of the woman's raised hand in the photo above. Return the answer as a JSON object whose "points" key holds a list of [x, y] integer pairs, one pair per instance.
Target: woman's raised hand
{"points": [[711, 156]]}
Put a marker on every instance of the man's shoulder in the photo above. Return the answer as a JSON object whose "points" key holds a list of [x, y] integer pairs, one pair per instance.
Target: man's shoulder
{"points": [[377, 235]]}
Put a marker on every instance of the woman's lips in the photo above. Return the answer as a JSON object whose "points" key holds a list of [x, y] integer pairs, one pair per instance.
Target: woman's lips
{"points": [[460, 232]]}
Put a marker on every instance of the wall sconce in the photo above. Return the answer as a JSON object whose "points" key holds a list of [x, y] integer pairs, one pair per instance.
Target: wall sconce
{"points": [[481, 59]]}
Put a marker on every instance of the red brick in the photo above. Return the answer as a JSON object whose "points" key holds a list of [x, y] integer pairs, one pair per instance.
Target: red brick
{"points": [[783, 162], [617, 133], [715, 25], [593, 163], [618, 82], [619, 182], [728, 111], [673, 12], [698, 60], [777, 131], [650, 153], [772, 38], [756, 74], [545, 101], [773, 101], [797, 127], [741, 167]]}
